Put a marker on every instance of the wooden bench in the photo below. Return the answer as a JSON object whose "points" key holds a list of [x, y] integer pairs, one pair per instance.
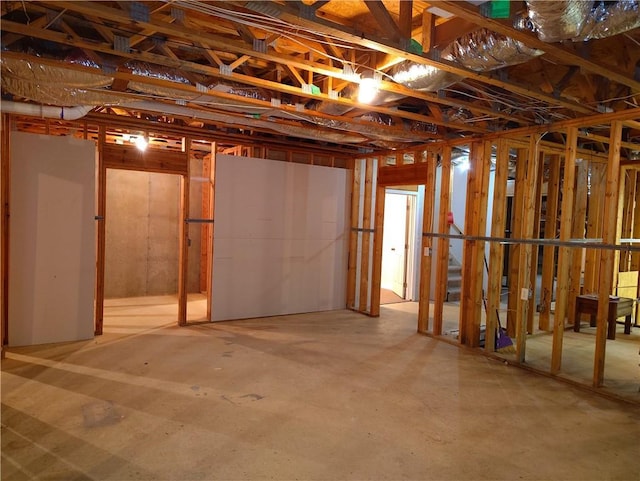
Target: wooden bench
{"points": [[618, 307]]}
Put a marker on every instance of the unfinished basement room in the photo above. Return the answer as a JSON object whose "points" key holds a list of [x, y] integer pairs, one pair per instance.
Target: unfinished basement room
{"points": [[320, 240]]}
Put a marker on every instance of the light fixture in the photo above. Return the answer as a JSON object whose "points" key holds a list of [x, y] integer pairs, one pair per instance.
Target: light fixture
{"points": [[368, 88], [141, 143]]}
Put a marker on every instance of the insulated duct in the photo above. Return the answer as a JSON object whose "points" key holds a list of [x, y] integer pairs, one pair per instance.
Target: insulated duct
{"points": [[246, 122], [23, 70], [145, 69], [484, 50], [45, 112], [580, 20]]}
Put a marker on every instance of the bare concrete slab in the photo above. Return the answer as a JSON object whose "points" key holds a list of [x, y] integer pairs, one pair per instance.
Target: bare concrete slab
{"points": [[331, 395]]}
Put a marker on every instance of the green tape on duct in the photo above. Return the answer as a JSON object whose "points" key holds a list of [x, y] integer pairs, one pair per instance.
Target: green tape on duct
{"points": [[415, 47], [499, 9], [315, 90]]}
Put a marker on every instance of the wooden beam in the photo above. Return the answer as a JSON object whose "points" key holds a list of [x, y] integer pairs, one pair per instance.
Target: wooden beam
{"points": [[410, 174], [378, 232], [525, 253], [564, 253], [446, 185], [366, 236], [516, 226], [353, 234], [152, 160], [405, 20], [595, 210], [426, 250], [535, 234], [383, 18], [549, 252], [211, 228], [428, 31], [579, 216], [605, 140], [471, 13], [607, 257], [183, 254], [5, 190], [496, 250], [101, 230]]}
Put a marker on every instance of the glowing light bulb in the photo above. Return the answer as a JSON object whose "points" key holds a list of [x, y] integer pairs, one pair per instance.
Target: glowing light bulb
{"points": [[141, 143], [368, 90]]}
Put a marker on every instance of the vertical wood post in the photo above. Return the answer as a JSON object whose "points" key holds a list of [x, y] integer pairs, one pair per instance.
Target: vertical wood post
{"points": [[5, 186], [608, 256], [525, 251], [366, 235], [353, 234], [594, 226], [446, 180], [183, 257], [549, 252], [514, 249], [535, 234], [426, 244], [579, 216], [496, 250], [376, 269], [101, 233], [211, 227], [564, 253]]}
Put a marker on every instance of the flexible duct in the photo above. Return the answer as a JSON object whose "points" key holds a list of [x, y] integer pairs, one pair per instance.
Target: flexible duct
{"points": [[245, 122], [608, 19], [580, 20], [44, 111], [484, 50], [23, 70], [558, 20]]}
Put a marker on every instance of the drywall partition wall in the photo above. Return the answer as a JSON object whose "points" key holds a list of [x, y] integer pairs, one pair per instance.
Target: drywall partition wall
{"points": [[52, 239], [142, 220], [280, 239]]}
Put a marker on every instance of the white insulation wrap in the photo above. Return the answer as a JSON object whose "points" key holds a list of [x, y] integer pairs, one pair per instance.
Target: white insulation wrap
{"points": [[53, 94], [612, 19], [423, 77], [485, 50], [559, 20], [18, 69]]}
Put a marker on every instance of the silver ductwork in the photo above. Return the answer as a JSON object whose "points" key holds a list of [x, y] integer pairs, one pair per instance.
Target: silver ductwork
{"points": [[580, 20], [484, 50]]}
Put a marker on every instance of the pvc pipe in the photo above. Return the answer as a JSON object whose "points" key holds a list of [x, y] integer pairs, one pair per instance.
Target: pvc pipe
{"points": [[45, 111]]}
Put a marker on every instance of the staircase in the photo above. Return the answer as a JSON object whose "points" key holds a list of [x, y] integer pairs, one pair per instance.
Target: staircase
{"points": [[454, 280]]}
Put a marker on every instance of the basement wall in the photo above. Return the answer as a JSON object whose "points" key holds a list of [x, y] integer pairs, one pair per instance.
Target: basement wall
{"points": [[280, 239]]}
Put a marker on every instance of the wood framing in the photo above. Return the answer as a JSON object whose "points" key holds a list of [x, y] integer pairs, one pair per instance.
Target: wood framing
{"points": [[376, 268], [549, 252], [607, 258], [442, 266], [366, 236], [101, 231], [496, 250], [579, 217], [5, 186], [564, 253], [183, 256], [353, 233], [426, 257], [526, 250]]}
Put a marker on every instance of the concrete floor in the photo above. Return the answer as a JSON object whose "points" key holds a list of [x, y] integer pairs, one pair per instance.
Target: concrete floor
{"points": [[316, 396]]}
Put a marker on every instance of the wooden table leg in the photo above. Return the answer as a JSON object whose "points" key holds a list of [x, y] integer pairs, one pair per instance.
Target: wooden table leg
{"points": [[627, 324]]}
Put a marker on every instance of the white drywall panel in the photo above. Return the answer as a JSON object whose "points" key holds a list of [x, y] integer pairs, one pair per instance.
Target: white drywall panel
{"points": [[52, 239], [281, 240]]}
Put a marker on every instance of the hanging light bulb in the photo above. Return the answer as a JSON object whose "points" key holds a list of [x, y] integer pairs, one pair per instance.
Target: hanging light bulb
{"points": [[141, 143], [368, 89]]}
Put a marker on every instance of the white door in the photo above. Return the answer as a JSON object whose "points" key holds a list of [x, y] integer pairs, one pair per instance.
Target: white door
{"points": [[394, 244]]}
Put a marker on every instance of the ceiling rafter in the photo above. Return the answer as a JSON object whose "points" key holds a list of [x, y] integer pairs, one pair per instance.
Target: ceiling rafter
{"points": [[292, 15], [213, 41]]}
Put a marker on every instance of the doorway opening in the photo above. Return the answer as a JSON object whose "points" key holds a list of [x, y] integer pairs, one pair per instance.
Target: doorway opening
{"points": [[399, 261], [141, 249]]}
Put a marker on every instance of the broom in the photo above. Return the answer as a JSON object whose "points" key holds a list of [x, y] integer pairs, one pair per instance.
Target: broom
{"points": [[504, 344]]}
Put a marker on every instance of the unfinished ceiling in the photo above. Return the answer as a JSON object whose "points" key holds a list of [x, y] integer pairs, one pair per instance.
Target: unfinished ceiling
{"points": [[293, 70]]}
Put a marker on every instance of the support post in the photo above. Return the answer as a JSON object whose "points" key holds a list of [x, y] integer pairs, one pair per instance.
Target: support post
{"points": [[101, 233], [376, 269], [446, 181], [564, 253], [353, 234], [609, 227], [183, 257], [427, 241], [5, 187], [366, 235]]}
